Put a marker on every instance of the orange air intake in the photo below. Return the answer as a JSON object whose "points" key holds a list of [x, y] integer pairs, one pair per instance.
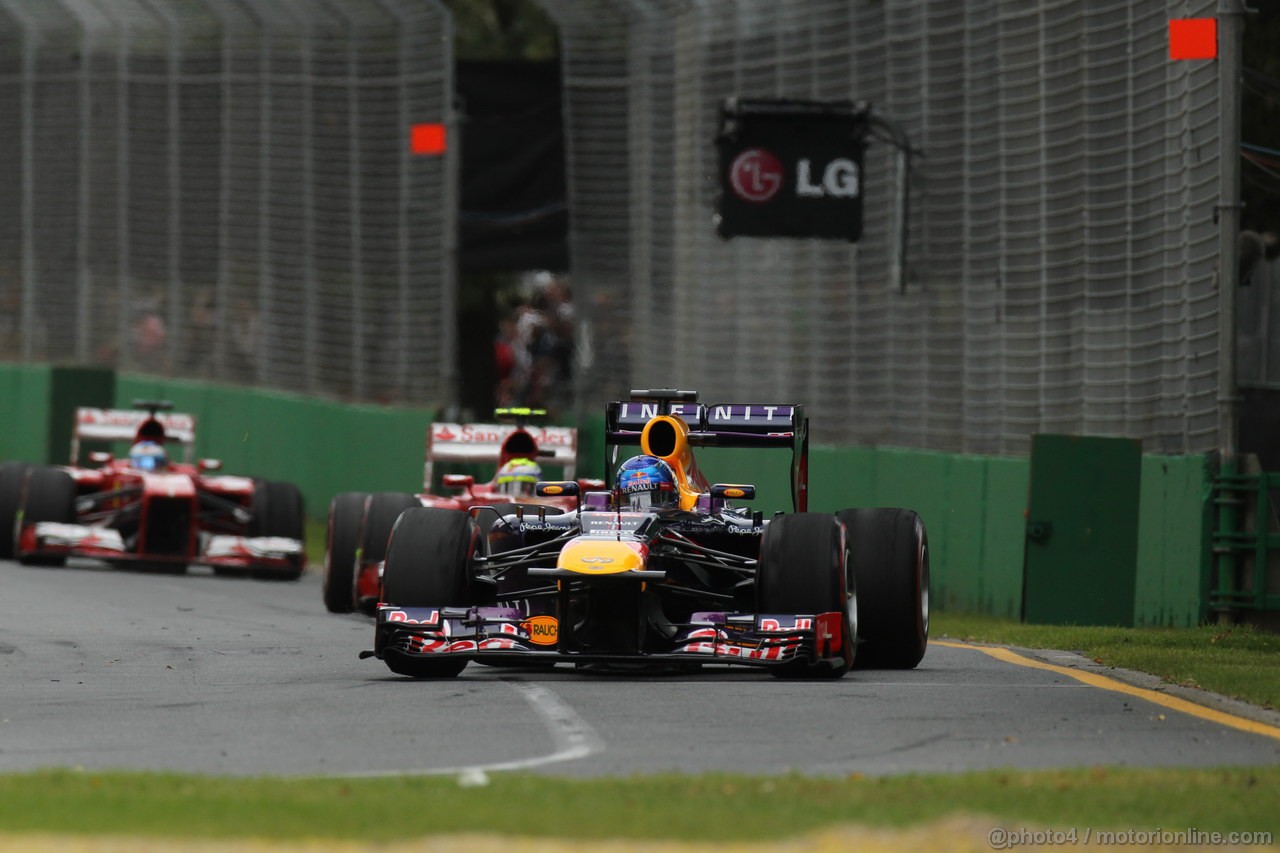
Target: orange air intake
{"points": [[667, 438]]}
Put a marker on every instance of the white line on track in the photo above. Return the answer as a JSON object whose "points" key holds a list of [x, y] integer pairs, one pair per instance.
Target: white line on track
{"points": [[574, 739]]}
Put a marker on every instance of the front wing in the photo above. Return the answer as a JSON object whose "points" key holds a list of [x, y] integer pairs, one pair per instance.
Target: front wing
{"points": [[54, 539], [500, 632]]}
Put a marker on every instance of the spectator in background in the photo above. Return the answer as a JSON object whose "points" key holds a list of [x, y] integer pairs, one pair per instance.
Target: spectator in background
{"points": [[149, 339], [243, 338], [504, 363], [534, 348], [202, 332]]}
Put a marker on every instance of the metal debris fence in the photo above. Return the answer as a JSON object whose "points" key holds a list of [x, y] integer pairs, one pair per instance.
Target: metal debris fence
{"points": [[1060, 275], [224, 189]]}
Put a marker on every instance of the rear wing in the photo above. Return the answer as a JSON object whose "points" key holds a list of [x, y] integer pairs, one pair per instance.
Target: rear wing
{"points": [[448, 442], [122, 425], [763, 425]]}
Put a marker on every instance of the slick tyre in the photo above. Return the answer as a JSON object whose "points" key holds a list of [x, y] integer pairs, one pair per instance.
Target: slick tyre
{"points": [[341, 538], [11, 476], [804, 568], [278, 510], [49, 495], [381, 512], [890, 550], [428, 565], [380, 516]]}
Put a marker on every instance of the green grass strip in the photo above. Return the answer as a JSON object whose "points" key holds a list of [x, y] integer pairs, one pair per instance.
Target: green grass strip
{"points": [[692, 808], [1237, 661]]}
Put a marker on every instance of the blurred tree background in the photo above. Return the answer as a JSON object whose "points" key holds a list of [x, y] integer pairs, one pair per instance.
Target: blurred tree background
{"points": [[502, 29]]}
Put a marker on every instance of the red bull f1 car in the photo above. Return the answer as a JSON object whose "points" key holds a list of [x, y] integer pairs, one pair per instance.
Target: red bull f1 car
{"points": [[147, 511], [690, 576], [360, 523]]}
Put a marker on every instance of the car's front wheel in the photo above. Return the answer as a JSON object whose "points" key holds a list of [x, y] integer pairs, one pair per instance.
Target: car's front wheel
{"points": [[428, 565], [11, 476], [278, 511], [380, 516], [804, 569], [49, 495], [341, 540]]}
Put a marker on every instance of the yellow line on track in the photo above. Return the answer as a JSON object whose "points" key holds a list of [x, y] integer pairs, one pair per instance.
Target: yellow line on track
{"points": [[1103, 683]]}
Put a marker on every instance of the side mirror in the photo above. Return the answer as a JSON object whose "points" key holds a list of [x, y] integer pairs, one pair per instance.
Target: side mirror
{"points": [[210, 465], [733, 491], [590, 484], [100, 457], [557, 489], [458, 481]]}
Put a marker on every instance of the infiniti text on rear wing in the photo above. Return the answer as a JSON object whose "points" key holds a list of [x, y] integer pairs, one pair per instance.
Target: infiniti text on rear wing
{"points": [[763, 425]]}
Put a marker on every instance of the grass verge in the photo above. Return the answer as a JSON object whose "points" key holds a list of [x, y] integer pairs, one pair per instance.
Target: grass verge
{"points": [[717, 808], [1235, 661]]}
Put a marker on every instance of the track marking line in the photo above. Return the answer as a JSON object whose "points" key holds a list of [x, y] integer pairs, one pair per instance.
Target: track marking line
{"points": [[1104, 683], [574, 739]]}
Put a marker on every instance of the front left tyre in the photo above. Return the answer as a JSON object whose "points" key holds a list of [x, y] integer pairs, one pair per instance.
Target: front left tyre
{"points": [[804, 569], [428, 564], [49, 495], [341, 542], [278, 511], [12, 475], [380, 514]]}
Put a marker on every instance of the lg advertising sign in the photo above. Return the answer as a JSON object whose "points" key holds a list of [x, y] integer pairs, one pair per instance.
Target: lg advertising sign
{"points": [[791, 169]]}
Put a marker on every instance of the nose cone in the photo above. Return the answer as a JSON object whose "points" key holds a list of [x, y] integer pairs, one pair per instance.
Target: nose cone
{"points": [[588, 556]]}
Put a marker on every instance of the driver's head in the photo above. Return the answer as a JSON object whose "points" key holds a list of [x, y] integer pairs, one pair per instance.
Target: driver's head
{"points": [[518, 477], [646, 482], [148, 456]]}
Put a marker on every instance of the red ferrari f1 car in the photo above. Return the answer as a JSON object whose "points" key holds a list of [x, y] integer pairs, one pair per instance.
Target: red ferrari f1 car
{"points": [[147, 511], [661, 569], [359, 523]]}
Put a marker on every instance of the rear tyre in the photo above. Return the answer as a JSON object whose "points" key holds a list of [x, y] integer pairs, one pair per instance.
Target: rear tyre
{"points": [[11, 476], [890, 549], [345, 512], [49, 495], [278, 511], [804, 568], [428, 565]]}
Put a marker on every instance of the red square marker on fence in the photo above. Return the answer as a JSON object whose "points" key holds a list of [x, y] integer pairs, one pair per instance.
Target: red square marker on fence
{"points": [[428, 139], [1193, 38]]}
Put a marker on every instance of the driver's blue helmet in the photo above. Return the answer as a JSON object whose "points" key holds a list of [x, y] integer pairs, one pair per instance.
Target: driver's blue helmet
{"points": [[646, 482], [147, 456]]}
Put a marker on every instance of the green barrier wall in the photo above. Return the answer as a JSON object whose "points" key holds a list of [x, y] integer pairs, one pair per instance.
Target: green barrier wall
{"points": [[38, 403], [24, 412], [973, 508], [972, 505], [323, 446]]}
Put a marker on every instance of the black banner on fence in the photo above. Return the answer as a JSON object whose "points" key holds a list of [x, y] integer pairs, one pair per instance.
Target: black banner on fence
{"points": [[791, 168]]}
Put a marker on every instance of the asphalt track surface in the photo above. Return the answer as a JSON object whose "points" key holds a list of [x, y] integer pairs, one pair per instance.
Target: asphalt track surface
{"points": [[109, 669]]}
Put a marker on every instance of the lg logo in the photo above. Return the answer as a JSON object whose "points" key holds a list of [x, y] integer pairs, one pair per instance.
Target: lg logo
{"points": [[839, 179], [756, 175]]}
